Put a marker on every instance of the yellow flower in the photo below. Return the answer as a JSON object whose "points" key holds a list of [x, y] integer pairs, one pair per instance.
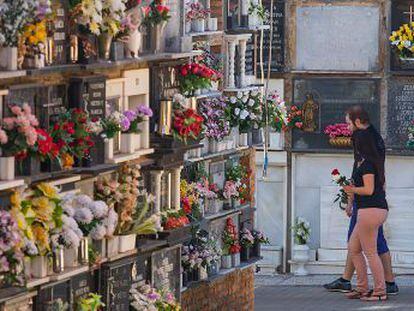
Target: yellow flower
{"points": [[29, 233], [43, 208], [15, 199], [41, 237], [94, 28], [48, 190]]}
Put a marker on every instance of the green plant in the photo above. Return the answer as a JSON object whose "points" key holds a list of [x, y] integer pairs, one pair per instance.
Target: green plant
{"points": [[92, 302], [236, 173], [301, 231]]}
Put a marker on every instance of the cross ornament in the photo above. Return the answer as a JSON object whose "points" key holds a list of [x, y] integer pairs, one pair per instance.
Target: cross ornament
{"points": [[410, 13]]}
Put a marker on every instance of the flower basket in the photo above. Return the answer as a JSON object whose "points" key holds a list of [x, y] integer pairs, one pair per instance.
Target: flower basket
{"points": [[127, 243], [341, 142]]}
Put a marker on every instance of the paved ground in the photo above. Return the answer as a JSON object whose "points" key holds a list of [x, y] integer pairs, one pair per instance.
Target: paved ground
{"points": [[287, 293]]}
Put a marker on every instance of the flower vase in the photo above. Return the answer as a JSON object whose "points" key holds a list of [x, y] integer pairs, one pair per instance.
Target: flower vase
{"points": [[226, 261], [112, 246], [213, 268], [245, 253], [84, 251], [195, 275], [71, 257], [134, 44], [202, 274], [117, 51], [156, 37], [212, 146], [8, 58], [7, 169], [105, 41], [137, 141], [234, 134], [27, 265], [184, 278], [255, 251], [212, 23], [127, 243], [59, 260], [235, 202], [188, 27], [109, 149], [198, 25], [99, 246], [301, 257], [39, 267], [30, 166], [227, 204], [243, 139], [127, 143], [235, 260]]}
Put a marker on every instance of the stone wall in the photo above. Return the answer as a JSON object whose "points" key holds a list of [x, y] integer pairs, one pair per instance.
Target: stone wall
{"points": [[235, 291]]}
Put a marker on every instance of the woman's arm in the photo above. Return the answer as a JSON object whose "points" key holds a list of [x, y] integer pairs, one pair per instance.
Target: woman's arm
{"points": [[366, 190]]}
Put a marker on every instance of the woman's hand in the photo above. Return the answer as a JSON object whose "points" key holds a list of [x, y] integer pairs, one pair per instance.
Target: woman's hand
{"points": [[349, 190]]}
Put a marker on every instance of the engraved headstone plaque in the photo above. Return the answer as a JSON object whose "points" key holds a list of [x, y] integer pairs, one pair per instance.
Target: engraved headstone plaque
{"points": [[333, 97], [337, 37]]}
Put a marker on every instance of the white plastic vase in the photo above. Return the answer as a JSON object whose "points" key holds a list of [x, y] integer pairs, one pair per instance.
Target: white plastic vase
{"points": [[127, 143], [226, 261], [198, 25], [71, 257], [39, 267], [127, 243], [109, 149], [243, 139], [212, 24], [137, 141], [301, 257], [7, 168]]}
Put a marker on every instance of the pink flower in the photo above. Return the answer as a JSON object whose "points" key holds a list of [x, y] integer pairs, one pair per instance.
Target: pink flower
{"points": [[16, 110], [27, 110], [3, 137], [8, 123]]}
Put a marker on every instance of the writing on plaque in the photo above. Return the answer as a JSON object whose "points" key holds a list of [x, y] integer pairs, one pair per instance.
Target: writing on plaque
{"points": [[330, 99], [400, 112], [165, 267], [118, 280], [278, 41]]}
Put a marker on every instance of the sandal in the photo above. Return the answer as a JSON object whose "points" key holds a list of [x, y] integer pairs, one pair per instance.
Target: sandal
{"points": [[375, 298], [354, 294]]}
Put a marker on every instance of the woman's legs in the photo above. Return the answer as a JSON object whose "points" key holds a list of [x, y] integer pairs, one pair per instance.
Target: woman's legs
{"points": [[369, 221], [355, 251]]}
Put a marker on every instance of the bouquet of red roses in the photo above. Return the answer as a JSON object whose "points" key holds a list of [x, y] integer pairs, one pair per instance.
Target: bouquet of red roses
{"points": [[341, 180], [187, 124], [230, 238], [196, 76]]}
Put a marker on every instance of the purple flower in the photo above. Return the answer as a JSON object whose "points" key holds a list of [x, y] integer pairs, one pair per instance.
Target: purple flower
{"points": [[125, 124], [130, 115], [145, 111]]}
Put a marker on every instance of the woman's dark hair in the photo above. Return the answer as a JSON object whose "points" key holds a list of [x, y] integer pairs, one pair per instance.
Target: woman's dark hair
{"points": [[357, 112], [366, 148]]}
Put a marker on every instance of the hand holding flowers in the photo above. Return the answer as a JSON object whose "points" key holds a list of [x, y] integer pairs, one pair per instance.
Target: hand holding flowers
{"points": [[345, 192]]}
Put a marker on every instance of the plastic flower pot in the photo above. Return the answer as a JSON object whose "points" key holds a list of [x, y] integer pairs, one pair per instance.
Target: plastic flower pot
{"points": [[127, 143], [226, 261], [71, 257], [8, 58], [127, 243], [235, 260], [137, 141], [198, 25], [39, 267], [301, 257], [112, 246], [58, 260], [109, 149], [7, 169], [212, 23], [243, 139]]}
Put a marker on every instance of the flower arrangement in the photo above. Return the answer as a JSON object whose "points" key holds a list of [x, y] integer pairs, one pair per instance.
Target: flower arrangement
{"points": [[259, 237], [155, 13], [189, 198], [246, 238], [216, 126], [230, 238], [11, 255], [87, 14], [18, 133], [340, 180], [410, 142], [195, 76], [146, 298], [111, 125], [187, 124], [95, 218], [92, 302], [45, 148], [113, 12], [294, 118], [231, 190], [173, 220], [40, 216], [260, 11], [245, 111], [196, 10], [277, 112], [15, 14], [132, 118], [301, 231], [402, 41], [338, 130], [206, 190]]}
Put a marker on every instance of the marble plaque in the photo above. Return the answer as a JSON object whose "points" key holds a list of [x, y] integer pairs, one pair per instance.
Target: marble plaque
{"points": [[337, 38]]}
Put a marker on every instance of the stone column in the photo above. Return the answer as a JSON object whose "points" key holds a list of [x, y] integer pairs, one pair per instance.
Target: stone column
{"points": [[231, 63], [176, 179], [157, 190], [243, 47]]}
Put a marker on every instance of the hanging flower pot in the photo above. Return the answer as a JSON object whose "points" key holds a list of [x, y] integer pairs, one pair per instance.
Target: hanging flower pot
{"points": [[127, 243], [127, 143], [7, 169], [8, 58], [105, 40]]}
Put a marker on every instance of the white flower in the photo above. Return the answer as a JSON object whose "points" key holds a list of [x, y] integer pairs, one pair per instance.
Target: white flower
{"points": [[237, 111], [239, 95], [83, 215], [407, 44], [254, 93], [244, 114], [180, 99], [82, 201], [251, 102], [98, 233], [99, 209], [245, 99], [233, 100]]}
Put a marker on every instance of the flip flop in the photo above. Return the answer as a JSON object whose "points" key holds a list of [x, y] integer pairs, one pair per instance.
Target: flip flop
{"points": [[375, 298], [354, 294]]}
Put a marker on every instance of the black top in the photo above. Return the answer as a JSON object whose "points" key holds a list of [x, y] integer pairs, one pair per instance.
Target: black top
{"points": [[377, 199]]}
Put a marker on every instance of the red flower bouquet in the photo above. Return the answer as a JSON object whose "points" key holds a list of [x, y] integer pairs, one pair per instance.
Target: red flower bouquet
{"points": [[187, 124], [196, 76], [230, 238], [155, 13], [45, 148], [339, 135], [174, 220]]}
